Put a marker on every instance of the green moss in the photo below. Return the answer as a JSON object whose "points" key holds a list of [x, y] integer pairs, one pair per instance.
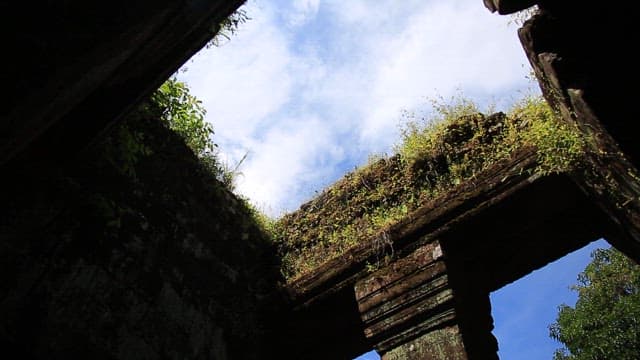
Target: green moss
{"points": [[435, 155]]}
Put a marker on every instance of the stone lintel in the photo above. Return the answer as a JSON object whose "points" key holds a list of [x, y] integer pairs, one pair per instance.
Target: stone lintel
{"points": [[421, 227]]}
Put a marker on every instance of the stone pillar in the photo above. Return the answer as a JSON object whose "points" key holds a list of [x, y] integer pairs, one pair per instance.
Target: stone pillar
{"points": [[443, 343], [408, 308]]}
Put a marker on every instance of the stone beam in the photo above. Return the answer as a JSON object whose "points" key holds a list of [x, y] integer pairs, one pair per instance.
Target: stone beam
{"points": [[535, 227], [422, 226]]}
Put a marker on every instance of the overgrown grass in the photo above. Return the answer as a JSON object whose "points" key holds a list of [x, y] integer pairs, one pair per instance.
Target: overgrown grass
{"points": [[436, 153]]}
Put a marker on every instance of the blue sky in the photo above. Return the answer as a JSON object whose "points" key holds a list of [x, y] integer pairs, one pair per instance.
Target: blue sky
{"points": [[309, 89], [523, 310]]}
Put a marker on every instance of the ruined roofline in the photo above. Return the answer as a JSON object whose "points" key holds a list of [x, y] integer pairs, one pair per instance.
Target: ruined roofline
{"points": [[433, 159], [420, 226]]}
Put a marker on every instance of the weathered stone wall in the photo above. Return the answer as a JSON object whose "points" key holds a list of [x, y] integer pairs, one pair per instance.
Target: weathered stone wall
{"points": [[584, 73], [131, 251], [82, 65]]}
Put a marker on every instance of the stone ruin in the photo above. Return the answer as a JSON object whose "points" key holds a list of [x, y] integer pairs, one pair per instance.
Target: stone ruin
{"points": [[97, 264]]}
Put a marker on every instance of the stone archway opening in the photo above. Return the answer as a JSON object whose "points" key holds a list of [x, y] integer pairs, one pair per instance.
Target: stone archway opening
{"points": [[523, 310]]}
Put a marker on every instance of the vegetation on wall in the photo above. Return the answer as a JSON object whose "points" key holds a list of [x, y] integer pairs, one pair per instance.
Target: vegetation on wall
{"points": [[174, 105], [605, 322], [183, 113], [229, 27], [436, 153]]}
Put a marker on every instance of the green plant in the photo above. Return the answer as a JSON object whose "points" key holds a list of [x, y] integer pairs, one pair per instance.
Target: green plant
{"points": [[423, 135], [605, 322], [229, 27], [125, 148], [560, 146], [185, 115]]}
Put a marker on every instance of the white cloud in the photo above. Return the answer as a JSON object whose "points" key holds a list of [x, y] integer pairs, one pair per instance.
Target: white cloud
{"points": [[285, 159], [310, 87], [302, 11], [443, 47], [244, 81]]}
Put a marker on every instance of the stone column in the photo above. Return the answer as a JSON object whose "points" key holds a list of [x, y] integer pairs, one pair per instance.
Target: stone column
{"points": [[408, 308]]}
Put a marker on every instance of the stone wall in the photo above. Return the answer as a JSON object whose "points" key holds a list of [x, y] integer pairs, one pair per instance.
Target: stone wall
{"points": [[584, 73], [83, 65], [131, 250]]}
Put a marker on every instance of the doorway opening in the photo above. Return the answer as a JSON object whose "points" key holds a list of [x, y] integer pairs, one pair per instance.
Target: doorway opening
{"points": [[523, 310]]}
